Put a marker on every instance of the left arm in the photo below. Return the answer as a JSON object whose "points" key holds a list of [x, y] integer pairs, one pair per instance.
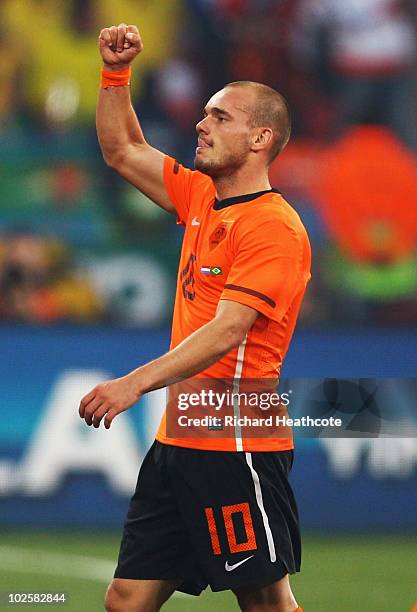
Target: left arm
{"points": [[193, 355]]}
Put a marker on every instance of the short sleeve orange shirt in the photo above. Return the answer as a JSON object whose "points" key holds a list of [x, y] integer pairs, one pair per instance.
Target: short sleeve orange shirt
{"points": [[252, 249]]}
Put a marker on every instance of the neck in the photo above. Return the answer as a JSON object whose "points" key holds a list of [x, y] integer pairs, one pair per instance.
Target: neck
{"points": [[240, 183]]}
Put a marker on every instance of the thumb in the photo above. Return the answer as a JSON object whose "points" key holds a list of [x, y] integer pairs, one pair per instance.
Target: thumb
{"points": [[132, 37]]}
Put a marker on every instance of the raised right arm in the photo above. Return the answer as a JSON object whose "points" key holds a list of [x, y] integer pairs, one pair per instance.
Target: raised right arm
{"points": [[119, 133]]}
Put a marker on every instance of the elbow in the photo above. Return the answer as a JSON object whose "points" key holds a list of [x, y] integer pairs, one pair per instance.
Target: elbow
{"points": [[232, 336], [118, 157], [113, 159]]}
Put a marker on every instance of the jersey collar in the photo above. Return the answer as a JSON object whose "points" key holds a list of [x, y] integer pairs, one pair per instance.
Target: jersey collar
{"points": [[219, 204]]}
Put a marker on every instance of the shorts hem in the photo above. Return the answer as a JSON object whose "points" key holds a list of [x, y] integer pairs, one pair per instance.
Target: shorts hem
{"points": [[190, 590], [279, 575], [146, 576], [185, 585]]}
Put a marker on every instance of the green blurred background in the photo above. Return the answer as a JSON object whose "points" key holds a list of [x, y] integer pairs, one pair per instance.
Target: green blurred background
{"points": [[340, 573]]}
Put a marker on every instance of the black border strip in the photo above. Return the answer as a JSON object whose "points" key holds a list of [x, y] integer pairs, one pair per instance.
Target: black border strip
{"points": [[219, 204], [257, 294]]}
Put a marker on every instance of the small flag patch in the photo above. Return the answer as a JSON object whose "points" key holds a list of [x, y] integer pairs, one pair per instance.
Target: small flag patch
{"points": [[211, 271]]}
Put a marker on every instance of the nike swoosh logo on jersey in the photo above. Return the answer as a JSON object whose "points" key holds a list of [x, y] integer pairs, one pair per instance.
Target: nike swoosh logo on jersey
{"points": [[195, 221], [230, 568]]}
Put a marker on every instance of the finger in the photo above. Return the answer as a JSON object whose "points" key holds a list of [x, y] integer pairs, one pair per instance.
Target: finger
{"points": [[113, 34], [133, 39], [133, 36], [104, 38], [84, 401], [91, 408], [121, 32], [98, 415], [109, 417], [132, 29]]}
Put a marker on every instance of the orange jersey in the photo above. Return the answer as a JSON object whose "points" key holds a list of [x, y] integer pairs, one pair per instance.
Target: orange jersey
{"points": [[252, 249]]}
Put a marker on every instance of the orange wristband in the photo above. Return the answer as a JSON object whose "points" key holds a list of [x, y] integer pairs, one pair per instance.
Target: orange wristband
{"points": [[115, 79]]}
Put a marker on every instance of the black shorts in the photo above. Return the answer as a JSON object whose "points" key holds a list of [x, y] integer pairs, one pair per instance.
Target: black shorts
{"points": [[227, 519]]}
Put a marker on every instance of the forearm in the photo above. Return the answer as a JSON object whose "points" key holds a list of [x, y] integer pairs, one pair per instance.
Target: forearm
{"points": [[196, 353], [118, 127]]}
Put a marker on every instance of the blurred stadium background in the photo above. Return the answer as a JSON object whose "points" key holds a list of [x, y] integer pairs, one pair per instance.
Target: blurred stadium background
{"points": [[87, 274]]}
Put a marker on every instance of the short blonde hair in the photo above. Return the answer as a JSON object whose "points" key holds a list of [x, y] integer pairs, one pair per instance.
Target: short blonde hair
{"points": [[270, 110]]}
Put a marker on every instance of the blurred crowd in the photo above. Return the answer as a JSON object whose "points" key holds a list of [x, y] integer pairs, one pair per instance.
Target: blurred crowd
{"points": [[79, 245]]}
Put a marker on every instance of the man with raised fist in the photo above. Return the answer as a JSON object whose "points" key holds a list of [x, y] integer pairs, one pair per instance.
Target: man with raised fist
{"points": [[210, 508]]}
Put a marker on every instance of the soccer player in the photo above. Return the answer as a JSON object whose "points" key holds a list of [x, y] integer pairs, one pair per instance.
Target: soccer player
{"points": [[216, 511]]}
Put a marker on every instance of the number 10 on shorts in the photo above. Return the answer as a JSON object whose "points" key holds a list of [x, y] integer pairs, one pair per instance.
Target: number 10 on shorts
{"points": [[228, 512]]}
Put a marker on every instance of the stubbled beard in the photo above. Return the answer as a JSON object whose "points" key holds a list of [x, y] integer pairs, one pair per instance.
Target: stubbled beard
{"points": [[210, 168], [221, 168]]}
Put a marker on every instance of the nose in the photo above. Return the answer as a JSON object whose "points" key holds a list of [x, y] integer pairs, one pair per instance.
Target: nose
{"points": [[202, 126]]}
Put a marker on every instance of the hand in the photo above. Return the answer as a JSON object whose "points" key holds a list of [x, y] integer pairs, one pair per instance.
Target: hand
{"points": [[107, 400], [119, 45]]}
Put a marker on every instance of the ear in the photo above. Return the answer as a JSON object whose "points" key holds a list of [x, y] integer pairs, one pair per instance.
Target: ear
{"points": [[262, 139]]}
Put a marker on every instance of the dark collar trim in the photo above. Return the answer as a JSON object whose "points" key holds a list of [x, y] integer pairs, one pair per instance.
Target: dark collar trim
{"points": [[219, 204]]}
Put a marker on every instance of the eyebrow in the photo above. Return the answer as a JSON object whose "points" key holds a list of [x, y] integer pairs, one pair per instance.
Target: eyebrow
{"points": [[218, 111]]}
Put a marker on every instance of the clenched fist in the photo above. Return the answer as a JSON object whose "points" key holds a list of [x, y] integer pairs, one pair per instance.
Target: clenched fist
{"points": [[119, 45]]}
